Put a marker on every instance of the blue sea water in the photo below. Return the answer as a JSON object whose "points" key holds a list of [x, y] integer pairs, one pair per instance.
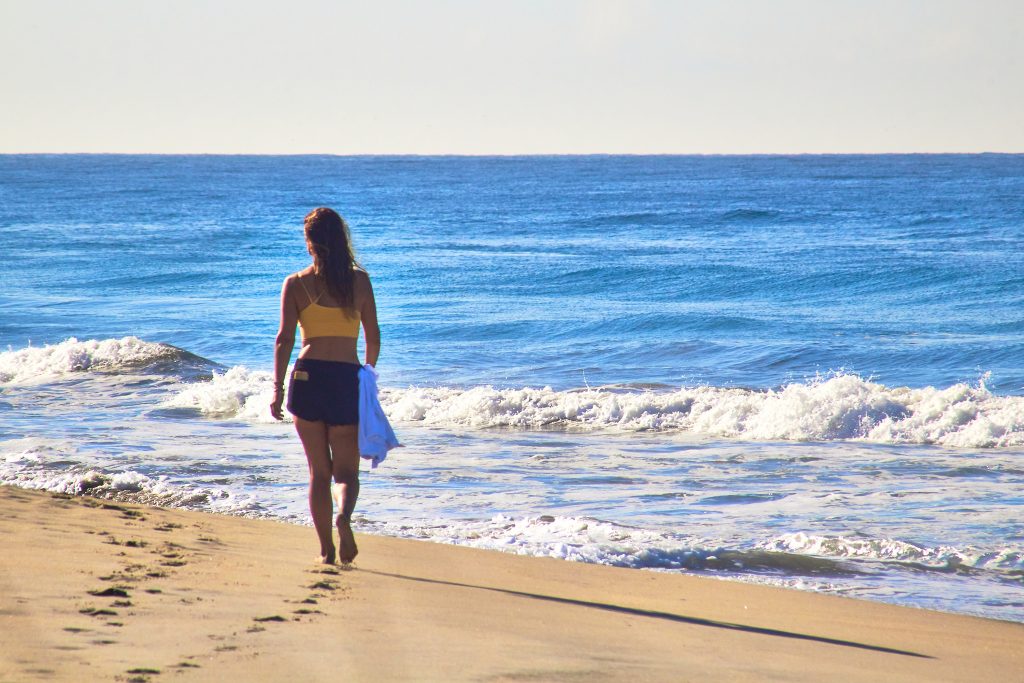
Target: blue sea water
{"points": [[799, 370]]}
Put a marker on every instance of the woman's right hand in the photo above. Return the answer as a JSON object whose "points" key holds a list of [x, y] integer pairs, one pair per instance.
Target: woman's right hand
{"points": [[275, 405]]}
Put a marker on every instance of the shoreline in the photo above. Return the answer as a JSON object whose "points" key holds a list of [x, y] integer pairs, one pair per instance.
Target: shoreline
{"points": [[119, 590]]}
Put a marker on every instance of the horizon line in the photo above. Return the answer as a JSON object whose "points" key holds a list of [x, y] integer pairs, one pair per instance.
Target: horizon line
{"points": [[510, 154]]}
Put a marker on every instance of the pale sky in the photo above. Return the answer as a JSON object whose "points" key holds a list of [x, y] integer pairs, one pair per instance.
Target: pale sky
{"points": [[511, 77]]}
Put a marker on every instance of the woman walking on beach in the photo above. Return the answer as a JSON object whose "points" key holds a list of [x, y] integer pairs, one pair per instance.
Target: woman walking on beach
{"points": [[329, 301]]}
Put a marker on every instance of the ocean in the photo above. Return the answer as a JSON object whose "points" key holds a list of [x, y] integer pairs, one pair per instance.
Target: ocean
{"points": [[802, 371]]}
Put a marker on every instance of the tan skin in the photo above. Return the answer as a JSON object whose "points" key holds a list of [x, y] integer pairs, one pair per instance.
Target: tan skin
{"points": [[331, 450]]}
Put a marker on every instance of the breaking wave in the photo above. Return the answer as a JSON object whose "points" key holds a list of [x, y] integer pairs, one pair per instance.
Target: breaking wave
{"points": [[841, 407], [237, 393], [128, 354]]}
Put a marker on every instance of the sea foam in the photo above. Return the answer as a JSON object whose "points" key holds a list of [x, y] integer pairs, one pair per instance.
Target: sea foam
{"points": [[238, 393], [840, 407], [942, 558], [584, 539], [59, 469]]}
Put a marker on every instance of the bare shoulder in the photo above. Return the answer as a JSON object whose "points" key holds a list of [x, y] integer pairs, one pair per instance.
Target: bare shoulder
{"points": [[362, 278], [293, 281], [296, 276]]}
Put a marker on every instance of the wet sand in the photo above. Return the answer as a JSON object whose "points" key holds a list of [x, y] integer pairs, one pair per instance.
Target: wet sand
{"points": [[98, 590]]}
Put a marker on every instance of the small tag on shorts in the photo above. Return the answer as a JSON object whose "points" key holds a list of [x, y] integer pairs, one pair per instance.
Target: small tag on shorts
{"points": [[301, 375]]}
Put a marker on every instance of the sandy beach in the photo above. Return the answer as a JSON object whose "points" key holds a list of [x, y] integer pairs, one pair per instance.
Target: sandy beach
{"points": [[98, 590]]}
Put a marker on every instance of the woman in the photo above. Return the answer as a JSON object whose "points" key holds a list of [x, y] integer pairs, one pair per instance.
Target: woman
{"points": [[329, 300]]}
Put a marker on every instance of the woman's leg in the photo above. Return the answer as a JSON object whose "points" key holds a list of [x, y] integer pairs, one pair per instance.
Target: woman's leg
{"points": [[344, 442], [314, 441]]}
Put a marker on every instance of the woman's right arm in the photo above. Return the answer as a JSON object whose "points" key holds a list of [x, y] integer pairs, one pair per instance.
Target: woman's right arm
{"points": [[283, 345]]}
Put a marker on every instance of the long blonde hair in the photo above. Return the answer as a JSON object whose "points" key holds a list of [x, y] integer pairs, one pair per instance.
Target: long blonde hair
{"points": [[334, 262]]}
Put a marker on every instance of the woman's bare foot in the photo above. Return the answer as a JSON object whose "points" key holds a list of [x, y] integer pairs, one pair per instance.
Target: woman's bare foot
{"points": [[347, 540], [326, 557]]}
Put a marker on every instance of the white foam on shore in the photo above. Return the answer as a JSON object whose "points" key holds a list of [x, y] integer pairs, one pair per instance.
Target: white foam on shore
{"points": [[576, 539], [841, 407], [888, 549], [582, 539], [55, 469], [72, 356]]}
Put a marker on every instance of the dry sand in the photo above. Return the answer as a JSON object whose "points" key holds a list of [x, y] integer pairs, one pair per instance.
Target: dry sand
{"points": [[94, 590]]}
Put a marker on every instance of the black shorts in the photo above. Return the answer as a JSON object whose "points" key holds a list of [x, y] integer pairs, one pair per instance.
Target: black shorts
{"points": [[324, 391]]}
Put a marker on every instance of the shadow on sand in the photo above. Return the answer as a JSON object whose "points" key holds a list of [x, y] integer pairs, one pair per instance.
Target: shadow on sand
{"points": [[652, 614]]}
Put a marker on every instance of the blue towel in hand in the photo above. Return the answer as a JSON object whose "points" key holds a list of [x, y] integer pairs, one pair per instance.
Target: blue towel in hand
{"points": [[376, 437]]}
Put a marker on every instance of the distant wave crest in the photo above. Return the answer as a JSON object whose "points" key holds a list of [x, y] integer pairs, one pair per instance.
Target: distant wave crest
{"points": [[72, 356], [740, 215]]}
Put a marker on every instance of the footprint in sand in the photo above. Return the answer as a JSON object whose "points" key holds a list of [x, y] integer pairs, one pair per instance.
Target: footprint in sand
{"points": [[324, 585], [130, 543], [132, 573], [325, 570], [133, 515], [141, 674]]}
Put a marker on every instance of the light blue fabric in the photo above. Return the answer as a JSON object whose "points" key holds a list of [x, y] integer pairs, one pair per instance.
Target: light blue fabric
{"points": [[376, 437]]}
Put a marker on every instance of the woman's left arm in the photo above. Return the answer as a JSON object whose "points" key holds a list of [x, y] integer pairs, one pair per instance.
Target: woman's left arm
{"points": [[283, 345], [368, 316]]}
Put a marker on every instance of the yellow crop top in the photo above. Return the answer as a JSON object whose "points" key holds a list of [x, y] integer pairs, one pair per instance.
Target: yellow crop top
{"points": [[326, 321]]}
